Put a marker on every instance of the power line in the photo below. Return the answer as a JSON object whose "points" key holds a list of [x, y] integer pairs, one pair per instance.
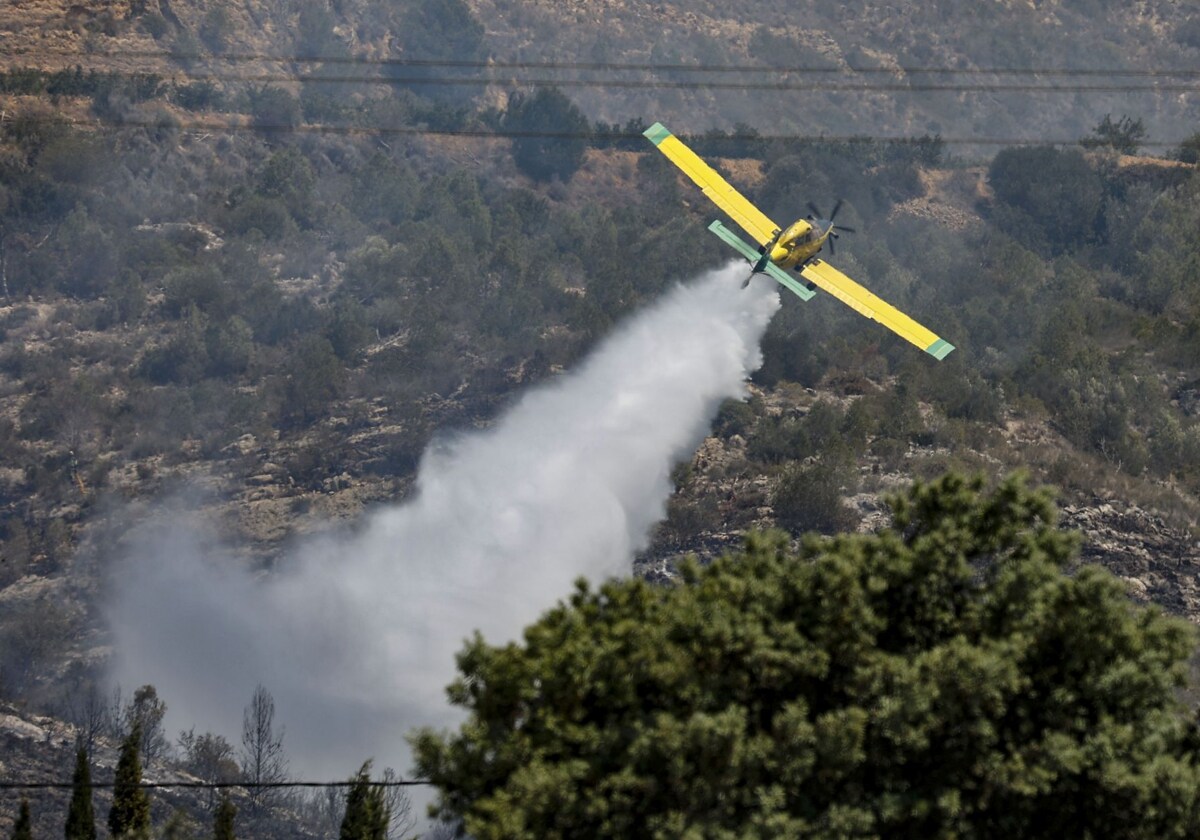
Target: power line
{"points": [[509, 134], [395, 783], [625, 66], [668, 84], [675, 84]]}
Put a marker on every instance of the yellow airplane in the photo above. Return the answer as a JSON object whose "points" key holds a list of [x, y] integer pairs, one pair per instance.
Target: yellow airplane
{"points": [[794, 247]]}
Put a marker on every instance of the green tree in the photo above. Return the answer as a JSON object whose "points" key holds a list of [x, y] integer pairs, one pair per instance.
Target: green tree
{"points": [[553, 134], [274, 108], [312, 379], [808, 497], [288, 176], [1189, 149], [433, 31], [1047, 198], [216, 29], [81, 818], [367, 813], [1124, 136], [942, 678], [147, 712], [130, 812], [223, 820], [23, 828]]}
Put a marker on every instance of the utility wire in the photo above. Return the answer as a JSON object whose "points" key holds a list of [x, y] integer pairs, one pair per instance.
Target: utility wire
{"points": [[672, 84], [618, 66], [821, 86], [508, 134], [214, 785]]}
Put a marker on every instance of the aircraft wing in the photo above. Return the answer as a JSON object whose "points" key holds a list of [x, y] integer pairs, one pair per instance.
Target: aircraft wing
{"points": [[749, 218], [825, 276]]}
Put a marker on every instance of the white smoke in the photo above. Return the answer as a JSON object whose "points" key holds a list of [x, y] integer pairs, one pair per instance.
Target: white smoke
{"points": [[355, 637]]}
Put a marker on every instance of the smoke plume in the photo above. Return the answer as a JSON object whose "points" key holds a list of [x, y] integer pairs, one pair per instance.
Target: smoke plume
{"points": [[355, 635]]}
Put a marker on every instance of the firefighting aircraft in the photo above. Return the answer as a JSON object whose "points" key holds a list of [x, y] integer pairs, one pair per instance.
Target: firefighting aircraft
{"points": [[794, 247]]}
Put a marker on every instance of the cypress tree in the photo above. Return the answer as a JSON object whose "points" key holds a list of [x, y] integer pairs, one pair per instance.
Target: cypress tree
{"points": [[81, 819], [223, 822], [130, 813], [367, 813], [23, 830]]}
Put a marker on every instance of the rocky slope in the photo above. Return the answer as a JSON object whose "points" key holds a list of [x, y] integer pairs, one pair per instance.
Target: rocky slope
{"points": [[863, 66]]}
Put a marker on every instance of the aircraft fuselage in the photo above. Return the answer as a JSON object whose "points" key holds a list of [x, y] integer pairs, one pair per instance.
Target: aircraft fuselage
{"points": [[799, 242]]}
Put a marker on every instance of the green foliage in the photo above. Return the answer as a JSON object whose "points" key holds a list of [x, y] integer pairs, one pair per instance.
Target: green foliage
{"points": [[735, 417], [199, 96], [1049, 199], [314, 32], [200, 287], [181, 359], [437, 31], [628, 137], [273, 108], [23, 827], [129, 815], [1123, 136], [268, 216], [384, 190], [216, 29], [557, 134], [743, 141], [81, 818], [1189, 149], [777, 440], [945, 677], [81, 258], [367, 813], [288, 176], [312, 378], [223, 820], [808, 497]]}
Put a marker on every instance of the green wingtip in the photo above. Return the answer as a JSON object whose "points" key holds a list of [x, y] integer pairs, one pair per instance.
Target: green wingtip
{"points": [[940, 349], [657, 133]]}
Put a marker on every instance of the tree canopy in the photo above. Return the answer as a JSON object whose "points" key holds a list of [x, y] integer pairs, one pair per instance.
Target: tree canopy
{"points": [[944, 677], [129, 815], [1049, 199], [81, 816], [367, 814], [552, 134]]}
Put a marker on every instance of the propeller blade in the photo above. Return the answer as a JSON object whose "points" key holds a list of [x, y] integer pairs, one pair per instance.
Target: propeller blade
{"points": [[815, 211], [846, 229], [836, 208], [832, 247]]}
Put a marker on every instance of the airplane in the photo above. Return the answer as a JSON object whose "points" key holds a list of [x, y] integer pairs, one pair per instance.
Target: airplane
{"points": [[794, 247]]}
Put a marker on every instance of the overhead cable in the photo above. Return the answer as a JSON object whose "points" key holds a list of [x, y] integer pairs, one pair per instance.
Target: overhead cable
{"points": [[615, 66], [512, 134]]}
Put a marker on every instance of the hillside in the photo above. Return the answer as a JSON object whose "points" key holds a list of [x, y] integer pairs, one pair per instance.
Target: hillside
{"points": [[257, 291], [1007, 70]]}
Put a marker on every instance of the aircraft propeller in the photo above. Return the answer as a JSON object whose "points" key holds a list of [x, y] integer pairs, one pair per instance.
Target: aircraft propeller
{"points": [[827, 222]]}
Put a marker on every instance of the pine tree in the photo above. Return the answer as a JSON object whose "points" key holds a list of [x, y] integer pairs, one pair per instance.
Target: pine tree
{"points": [[367, 813], [130, 813], [23, 830], [81, 818], [954, 675], [223, 822]]}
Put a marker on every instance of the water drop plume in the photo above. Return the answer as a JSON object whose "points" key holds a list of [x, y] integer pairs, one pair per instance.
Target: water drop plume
{"points": [[355, 635]]}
